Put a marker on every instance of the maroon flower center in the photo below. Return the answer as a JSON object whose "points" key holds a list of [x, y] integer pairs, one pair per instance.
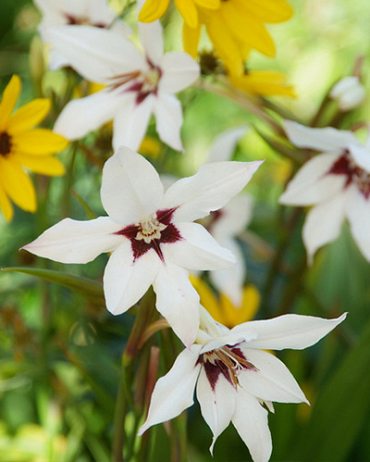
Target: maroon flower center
{"points": [[5, 143], [143, 83], [228, 361], [345, 165], [152, 233], [82, 21]]}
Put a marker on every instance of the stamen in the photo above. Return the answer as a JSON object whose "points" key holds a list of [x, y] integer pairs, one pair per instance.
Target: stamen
{"points": [[149, 229]]}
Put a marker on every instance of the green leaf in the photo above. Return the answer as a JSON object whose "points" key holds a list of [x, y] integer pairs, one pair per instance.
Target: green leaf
{"points": [[89, 288], [341, 408], [84, 204]]}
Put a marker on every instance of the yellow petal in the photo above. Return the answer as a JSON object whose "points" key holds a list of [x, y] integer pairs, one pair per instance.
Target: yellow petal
{"points": [[266, 83], [209, 4], [9, 100], [150, 147], [17, 185], [224, 43], [191, 39], [29, 115], [46, 165], [207, 298], [270, 11], [5, 205], [188, 11], [247, 29], [153, 9], [38, 142]]}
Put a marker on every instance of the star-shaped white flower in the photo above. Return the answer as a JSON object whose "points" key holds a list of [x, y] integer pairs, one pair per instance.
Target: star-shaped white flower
{"points": [[137, 85], [225, 224], [336, 182], [151, 235], [56, 13], [234, 378]]}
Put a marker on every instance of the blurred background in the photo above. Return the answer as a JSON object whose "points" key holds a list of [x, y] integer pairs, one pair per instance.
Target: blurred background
{"points": [[60, 350]]}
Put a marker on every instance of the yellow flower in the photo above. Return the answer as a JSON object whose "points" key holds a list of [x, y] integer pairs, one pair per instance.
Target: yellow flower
{"points": [[154, 9], [236, 27], [22, 146], [266, 83], [222, 309]]}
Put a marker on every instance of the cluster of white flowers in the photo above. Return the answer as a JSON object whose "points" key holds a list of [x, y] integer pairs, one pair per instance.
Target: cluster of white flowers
{"points": [[151, 232]]}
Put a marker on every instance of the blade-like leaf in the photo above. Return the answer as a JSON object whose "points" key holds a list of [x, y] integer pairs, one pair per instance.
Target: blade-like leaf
{"points": [[91, 289]]}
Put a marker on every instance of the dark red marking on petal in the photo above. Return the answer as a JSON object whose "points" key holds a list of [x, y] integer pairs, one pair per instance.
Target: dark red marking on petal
{"points": [[355, 174], [165, 216]]}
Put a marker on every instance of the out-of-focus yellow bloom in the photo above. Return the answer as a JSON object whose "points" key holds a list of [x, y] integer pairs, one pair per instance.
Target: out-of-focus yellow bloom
{"points": [[22, 146], [154, 9], [237, 27], [265, 83], [150, 147], [222, 309]]}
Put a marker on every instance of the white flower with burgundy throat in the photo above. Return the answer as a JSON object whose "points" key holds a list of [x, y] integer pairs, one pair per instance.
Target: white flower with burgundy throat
{"points": [[234, 378], [336, 182], [151, 235], [137, 85]]}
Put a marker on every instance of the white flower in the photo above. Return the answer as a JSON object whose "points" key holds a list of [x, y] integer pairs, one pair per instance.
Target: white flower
{"points": [[58, 13], [225, 224], [137, 85], [349, 92], [151, 235], [234, 378], [336, 182]]}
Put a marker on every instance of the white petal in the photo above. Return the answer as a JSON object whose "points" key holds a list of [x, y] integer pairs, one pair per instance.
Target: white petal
{"points": [[272, 381], [312, 184], [131, 188], [361, 155], [81, 116], [288, 331], [233, 218], [174, 392], [250, 421], [349, 92], [168, 114], [229, 281], [322, 139], [197, 250], [72, 241], [125, 280], [217, 405], [358, 213], [151, 37], [97, 54], [179, 70], [131, 122], [323, 224], [178, 301], [100, 13], [224, 145], [209, 189]]}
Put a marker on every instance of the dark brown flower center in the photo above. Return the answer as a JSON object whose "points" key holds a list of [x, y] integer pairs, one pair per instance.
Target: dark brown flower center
{"points": [[345, 165], [228, 361], [5, 143], [82, 21], [151, 233]]}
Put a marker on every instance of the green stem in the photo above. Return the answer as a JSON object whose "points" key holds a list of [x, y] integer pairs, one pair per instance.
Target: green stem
{"points": [[124, 397]]}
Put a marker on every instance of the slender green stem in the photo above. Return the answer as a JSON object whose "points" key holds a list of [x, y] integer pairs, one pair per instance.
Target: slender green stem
{"points": [[125, 395]]}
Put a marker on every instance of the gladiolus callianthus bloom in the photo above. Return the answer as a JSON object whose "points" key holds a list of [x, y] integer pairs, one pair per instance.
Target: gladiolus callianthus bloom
{"points": [[58, 13], [337, 184], [136, 85], [22, 146], [151, 235], [235, 379]]}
